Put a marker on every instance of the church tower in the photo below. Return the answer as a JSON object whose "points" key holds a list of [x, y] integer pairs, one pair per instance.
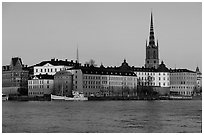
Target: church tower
{"points": [[152, 50]]}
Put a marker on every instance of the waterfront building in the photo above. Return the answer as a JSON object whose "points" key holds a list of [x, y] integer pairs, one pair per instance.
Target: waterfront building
{"points": [[199, 80], [15, 77], [63, 83], [53, 66], [40, 85], [103, 81], [182, 81], [152, 50], [158, 79]]}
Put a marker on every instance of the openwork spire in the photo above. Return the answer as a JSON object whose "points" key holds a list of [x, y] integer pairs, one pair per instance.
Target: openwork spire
{"points": [[151, 37]]}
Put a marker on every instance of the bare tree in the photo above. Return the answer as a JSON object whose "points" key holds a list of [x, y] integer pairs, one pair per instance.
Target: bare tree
{"points": [[91, 62]]}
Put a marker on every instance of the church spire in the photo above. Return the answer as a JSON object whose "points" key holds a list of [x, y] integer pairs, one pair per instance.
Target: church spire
{"points": [[151, 37], [77, 57]]}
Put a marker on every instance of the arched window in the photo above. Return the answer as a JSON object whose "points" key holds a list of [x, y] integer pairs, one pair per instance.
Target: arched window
{"points": [[154, 54]]}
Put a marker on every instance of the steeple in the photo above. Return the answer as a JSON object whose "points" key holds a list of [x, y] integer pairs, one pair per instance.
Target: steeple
{"points": [[77, 55], [152, 49], [151, 36]]}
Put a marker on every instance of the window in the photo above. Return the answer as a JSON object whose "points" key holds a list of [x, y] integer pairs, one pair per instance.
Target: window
{"points": [[159, 78], [41, 70], [51, 70], [48, 86], [36, 70], [154, 56], [45, 70], [164, 78], [55, 70], [48, 70]]}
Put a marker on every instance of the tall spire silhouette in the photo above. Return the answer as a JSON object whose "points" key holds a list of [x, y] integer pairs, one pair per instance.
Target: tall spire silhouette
{"points": [[77, 54], [151, 36]]}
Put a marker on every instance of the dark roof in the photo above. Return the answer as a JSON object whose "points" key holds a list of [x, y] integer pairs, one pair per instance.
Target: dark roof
{"points": [[162, 68], [104, 71], [63, 72], [181, 70], [15, 60], [42, 76], [57, 62]]}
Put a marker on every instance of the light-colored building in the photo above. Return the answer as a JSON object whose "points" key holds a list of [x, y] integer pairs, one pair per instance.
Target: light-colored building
{"points": [[103, 81], [40, 85], [182, 81], [53, 66], [158, 78]]}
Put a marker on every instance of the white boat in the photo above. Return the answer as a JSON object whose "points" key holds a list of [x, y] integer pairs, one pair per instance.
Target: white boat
{"points": [[55, 97], [4, 97], [77, 97]]}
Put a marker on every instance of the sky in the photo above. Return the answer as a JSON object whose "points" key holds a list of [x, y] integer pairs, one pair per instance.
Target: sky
{"points": [[105, 32]]}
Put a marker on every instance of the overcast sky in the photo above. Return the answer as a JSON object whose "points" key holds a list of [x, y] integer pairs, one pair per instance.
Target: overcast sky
{"points": [[105, 32]]}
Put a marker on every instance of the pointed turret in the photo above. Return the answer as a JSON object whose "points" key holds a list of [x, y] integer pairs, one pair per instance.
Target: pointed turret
{"points": [[77, 55], [151, 36]]}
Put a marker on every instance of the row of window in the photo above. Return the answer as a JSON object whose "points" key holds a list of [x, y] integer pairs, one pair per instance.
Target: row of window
{"points": [[92, 77], [123, 78], [35, 93], [183, 82], [182, 87], [38, 87], [106, 88], [49, 70], [184, 78], [93, 82], [149, 73], [152, 84], [185, 92], [152, 78], [191, 74]]}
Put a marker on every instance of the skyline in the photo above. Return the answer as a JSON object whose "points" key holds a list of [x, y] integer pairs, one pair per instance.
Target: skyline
{"points": [[101, 30]]}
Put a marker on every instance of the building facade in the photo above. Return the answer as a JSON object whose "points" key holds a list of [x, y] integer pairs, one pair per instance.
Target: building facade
{"points": [[152, 50], [158, 78], [53, 66], [103, 81], [182, 81], [63, 83], [40, 85], [15, 78]]}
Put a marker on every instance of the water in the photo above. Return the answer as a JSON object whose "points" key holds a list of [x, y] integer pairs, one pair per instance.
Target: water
{"points": [[102, 116]]}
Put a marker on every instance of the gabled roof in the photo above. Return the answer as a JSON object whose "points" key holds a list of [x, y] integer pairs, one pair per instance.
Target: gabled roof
{"points": [[57, 63], [15, 60]]}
